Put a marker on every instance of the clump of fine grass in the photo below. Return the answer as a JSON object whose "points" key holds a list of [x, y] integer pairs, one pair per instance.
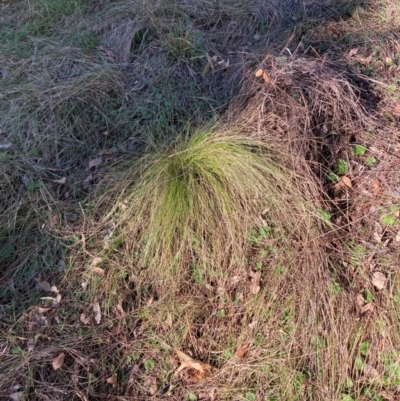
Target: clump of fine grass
{"points": [[197, 201]]}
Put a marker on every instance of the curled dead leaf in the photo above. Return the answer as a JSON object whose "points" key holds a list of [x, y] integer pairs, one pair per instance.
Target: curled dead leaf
{"points": [[113, 380], [98, 270], [266, 77], [259, 73], [255, 282], [108, 151], [62, 180], [188, 362], [84, 319], [56, 300], [97, 312], [16, 396], [370, 371], [369, 307], [44, 285], [31, 344], [5, 145], [94, 268], [353, 52], [54, 289], [95, 162], [151, 384], [58, 361], [346, 181], [242, 351], [379, 280]]}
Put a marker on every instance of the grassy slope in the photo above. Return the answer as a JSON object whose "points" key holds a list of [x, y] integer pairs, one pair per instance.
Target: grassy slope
{"points": [[87, 88]]}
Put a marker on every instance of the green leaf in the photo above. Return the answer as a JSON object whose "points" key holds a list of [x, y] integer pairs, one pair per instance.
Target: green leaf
{"points": [[6, 250], [15, 350], [341, 166], [250, 396], [324, 215], [359, 150], [345, 397], [149, 365], [364, 347], [332, 177], [368, 297], [370, 161], [389, 221]]}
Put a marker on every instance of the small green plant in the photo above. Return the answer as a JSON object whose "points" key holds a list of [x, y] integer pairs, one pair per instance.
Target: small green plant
{"points": [[390, 219], [334, 287], [368, 296], [371, 161], [259, 339], [190, 396], [6, 251], [325, 216], [359, 150], [364, 348], [332, 176], [257, 235], [346, 397], [250, 396], [358, 252], [341, 167], [221, 313], [149, 365]]}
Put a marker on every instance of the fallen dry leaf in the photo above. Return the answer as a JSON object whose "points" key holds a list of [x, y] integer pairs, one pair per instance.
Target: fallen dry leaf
{"points": [[61, 180], [98, 270], [388, 395], [242, 351], [54, 289], [97, 312], [360, 300], [150, 301], [95, 162], [397, 108], [369, 307], [94, 268], [5, 145], [188, 362], [31, 344], [84, 319], [56, 301], [397, 237], [113, 380], [379, 280], [44, 285], [96, 261], [87, 180], [266, 77], [346, 181], [259, 73], [16, 396], [151, 384], [353, 52], [255, 282], [370, 370], [58, 361], [43, 310], [108, 151]]}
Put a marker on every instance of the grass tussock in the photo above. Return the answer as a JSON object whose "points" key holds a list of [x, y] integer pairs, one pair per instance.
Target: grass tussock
{"points": [[199, 203], [242, 242]]}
